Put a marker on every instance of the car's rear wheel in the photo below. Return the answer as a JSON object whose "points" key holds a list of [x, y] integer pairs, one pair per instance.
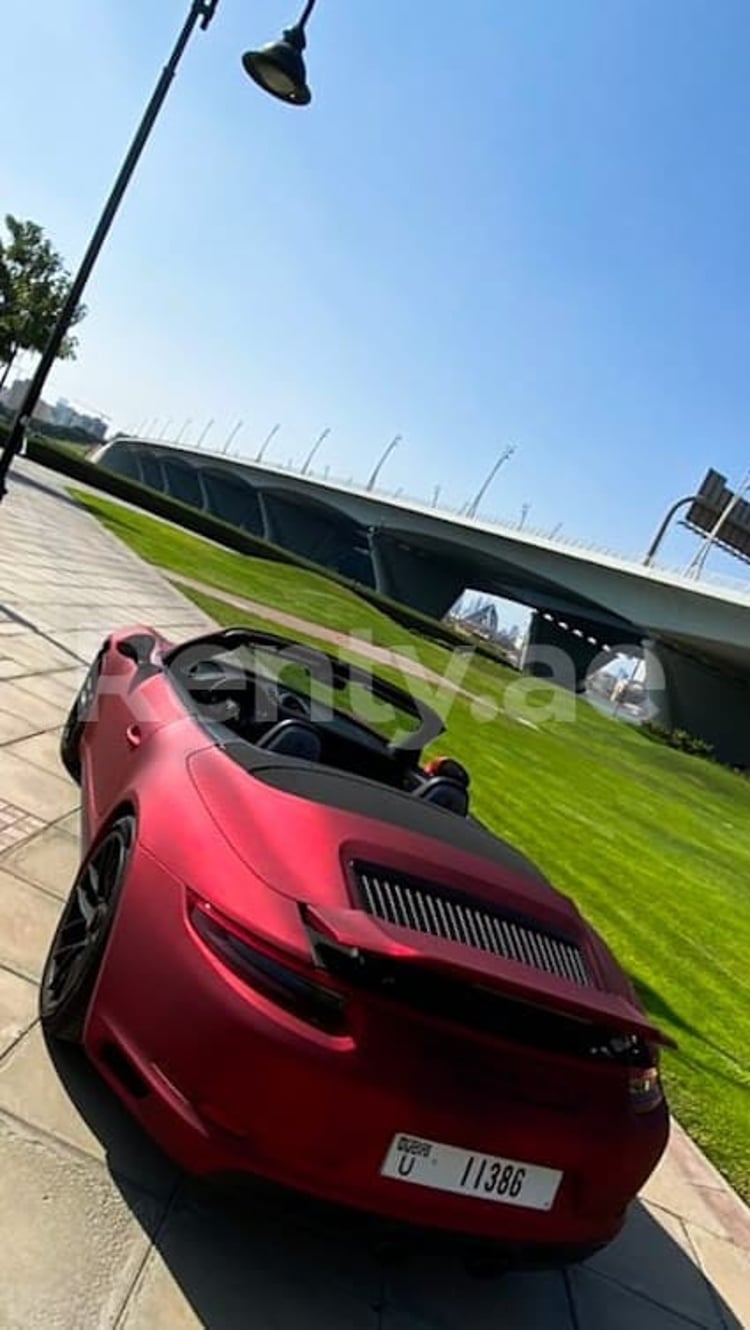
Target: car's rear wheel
{"points": [[77, 948], [70, 742]]}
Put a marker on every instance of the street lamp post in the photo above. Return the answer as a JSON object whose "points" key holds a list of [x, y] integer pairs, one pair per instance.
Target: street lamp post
{"points": [[471, 510], [232, 435], [268, 439], [313, 451], [204, 435], [663, 528], [278, 69], [382, 461]]}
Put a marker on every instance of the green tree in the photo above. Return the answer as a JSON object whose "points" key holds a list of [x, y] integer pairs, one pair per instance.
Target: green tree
{"points": [[33, 285]]}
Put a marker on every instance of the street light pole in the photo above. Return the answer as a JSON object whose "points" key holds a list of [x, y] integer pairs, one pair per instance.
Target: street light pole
{"points": [[269, 437], [661, 533], [204, 435], [232, 435], [471, 511], [313, 451], [382, 461], [279, 69]]}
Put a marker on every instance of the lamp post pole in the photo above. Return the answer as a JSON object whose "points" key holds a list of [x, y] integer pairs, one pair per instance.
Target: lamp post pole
{"points": [[471, 510], [268, 439], [661, 533], [308, 460], [278, 69], [382, 461], [204, 435], [232, 435]]}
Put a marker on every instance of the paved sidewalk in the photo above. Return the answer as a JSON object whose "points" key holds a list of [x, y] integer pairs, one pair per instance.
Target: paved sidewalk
{"points": [[97, 1230]]}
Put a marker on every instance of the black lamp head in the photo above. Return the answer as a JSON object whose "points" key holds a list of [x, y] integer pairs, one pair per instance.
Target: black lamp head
{"points": [[279, 68]]}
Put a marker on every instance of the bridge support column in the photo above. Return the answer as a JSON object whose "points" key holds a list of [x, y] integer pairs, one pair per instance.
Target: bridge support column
{"points": [[689, 694], [563, 655], [418, 579]]}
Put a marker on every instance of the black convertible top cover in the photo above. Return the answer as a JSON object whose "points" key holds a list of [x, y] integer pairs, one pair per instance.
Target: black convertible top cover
{"points": [[365, 798]]}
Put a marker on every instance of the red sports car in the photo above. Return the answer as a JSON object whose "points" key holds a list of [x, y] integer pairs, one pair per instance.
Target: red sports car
{"points": [[293, 952]]}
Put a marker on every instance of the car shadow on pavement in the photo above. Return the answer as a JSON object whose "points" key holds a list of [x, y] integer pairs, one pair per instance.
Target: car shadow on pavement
{"points": [[260, 1255]]}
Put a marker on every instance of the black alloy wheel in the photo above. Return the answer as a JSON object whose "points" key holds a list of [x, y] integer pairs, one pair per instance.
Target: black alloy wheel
{"points": [[77, 947]]}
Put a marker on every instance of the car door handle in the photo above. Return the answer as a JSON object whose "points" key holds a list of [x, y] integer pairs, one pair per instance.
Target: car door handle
{"points": [[133, 736]]}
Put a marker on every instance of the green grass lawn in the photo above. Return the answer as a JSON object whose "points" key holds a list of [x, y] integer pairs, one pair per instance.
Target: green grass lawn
{"points": [[652, 845]]}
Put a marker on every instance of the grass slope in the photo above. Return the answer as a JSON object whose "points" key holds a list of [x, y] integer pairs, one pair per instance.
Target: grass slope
{"points": [[653, 846]]}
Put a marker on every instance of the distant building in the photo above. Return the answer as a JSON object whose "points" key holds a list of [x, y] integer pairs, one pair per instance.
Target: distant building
{"points": [[68, 417], [13, 396], [62, 414]]}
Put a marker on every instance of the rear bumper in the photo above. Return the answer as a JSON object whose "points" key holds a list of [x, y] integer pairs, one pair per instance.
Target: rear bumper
{"points": [[230, 1085]]}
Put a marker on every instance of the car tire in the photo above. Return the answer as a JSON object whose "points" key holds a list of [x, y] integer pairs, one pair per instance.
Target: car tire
{"points": [[70, 741], [77, 948]]}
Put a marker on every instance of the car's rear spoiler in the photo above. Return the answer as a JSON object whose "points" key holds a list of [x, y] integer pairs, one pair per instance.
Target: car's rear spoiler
{"points": [[361, 933]]}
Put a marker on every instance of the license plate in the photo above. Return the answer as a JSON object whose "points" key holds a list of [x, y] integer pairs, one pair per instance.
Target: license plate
{"points": [[470, 1173]]}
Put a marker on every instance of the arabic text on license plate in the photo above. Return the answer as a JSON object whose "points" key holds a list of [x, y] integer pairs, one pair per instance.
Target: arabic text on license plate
{"points": [[471, 1173]]}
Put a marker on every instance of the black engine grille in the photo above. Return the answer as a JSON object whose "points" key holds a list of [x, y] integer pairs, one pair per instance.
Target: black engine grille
{"points": [[426, 908]]}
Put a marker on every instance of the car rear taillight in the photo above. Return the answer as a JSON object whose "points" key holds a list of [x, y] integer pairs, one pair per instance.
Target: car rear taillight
{"points": [[274, 977], [646, 1093]]}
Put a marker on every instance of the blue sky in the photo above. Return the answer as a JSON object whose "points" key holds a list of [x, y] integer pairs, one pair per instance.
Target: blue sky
{"points": [[500, 221]]}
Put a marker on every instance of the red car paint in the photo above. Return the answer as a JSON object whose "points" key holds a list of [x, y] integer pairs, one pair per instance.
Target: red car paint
{"points": [[228, 1081]]}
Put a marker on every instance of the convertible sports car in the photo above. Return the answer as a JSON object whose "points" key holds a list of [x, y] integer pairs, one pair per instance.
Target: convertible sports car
{"points": [[293, 953]]}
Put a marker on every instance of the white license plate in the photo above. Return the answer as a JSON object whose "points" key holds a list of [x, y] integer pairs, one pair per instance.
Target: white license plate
{"points": [[470, 1173]]}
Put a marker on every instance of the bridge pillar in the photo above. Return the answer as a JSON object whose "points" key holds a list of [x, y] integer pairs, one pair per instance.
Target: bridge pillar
{"points": [[414, 577], [692, 695], [562, 651]]}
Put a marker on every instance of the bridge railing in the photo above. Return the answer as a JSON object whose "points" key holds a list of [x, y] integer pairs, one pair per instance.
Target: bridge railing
{"points": [[740, 587]]}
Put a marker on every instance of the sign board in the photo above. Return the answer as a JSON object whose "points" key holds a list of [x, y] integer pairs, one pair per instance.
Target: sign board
{"points": [[712, 500]]}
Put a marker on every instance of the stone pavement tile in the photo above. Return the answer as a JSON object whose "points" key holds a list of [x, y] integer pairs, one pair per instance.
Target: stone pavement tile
{"points": [[57, 1091], [51, 618], [58, 687], [85, 642], [728, 1268], [49, 860], [43, 750], [218, 1267], [686, 1185], [601, 1304], [16, 727], [28, 919], [19, 702], [34, 652], [435, 1291], [653, 1256], [182, 632], [17, 1008], [9, 668], [16, 825], [42, 793], [71, 1241], [70, 824]]}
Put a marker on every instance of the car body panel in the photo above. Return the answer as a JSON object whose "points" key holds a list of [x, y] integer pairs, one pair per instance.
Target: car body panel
{"points": [[230, 1082]]}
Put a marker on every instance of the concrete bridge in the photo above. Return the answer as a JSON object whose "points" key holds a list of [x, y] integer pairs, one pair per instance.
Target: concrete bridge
{"points": [[585, 602]]}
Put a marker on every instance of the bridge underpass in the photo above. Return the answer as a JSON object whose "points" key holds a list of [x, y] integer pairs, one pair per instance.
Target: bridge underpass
{"points": [[697, 636]]}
